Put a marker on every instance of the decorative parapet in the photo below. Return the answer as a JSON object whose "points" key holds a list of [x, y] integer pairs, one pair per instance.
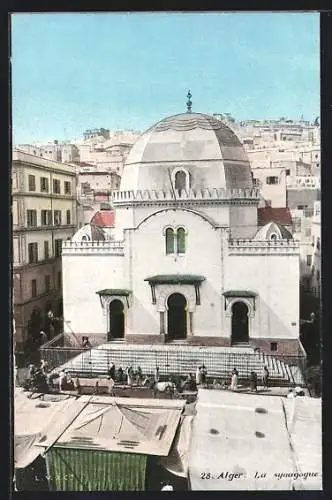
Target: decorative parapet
{"points": [[256, 247], [92, 247], [162, 196]]}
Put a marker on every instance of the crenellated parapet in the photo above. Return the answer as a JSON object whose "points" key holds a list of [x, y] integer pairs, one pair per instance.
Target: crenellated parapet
{"points": [[266, 247], [93, 248], [208, 194]]}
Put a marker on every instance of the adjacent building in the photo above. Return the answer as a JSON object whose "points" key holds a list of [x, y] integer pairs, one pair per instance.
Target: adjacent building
{"points": [[44, 214]]}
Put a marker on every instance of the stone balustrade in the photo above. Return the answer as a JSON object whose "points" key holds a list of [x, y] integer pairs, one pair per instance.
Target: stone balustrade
{"points": [[92, 247], [247, 246]]}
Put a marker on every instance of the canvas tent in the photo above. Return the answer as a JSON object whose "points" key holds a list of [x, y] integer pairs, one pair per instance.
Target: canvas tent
{"points": [[31, 418], [104, 442], [247, 442]]}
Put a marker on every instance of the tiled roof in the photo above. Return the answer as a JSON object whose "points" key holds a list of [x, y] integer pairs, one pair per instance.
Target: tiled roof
{"points": [[279, 215], [103, 218]]}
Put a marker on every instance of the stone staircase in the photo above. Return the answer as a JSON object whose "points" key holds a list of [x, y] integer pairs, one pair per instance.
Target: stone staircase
{"points": [[181, 359]]}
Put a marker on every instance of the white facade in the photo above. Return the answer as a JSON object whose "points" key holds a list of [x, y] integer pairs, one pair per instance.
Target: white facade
{"points": [[232, 286]]}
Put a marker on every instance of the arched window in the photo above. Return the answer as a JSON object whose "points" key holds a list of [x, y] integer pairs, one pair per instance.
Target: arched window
{"points": [[273, 237], [180, 180], [318, 244], [169, 240], [181, 240]]}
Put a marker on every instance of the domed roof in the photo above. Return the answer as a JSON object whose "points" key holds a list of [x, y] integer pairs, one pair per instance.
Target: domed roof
{"points": [[89, 233], [204, 145], [273, 230]]}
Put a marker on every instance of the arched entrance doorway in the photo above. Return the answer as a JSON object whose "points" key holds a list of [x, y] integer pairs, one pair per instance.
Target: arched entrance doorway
{"points": [[176, 317], [240, 326], [116, 314]]}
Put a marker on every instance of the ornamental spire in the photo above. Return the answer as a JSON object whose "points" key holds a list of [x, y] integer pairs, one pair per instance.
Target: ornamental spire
{"points": [[189, 102]]}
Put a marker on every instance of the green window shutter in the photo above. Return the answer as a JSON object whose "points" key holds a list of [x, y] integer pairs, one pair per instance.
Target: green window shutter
{"points": [[169, 240], [181, 240], [90, 470]]}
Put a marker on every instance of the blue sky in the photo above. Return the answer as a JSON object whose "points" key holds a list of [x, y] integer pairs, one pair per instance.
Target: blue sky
{"points": [[71, 72]]}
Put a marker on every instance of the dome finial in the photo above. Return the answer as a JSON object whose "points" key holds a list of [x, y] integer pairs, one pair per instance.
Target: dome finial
{"points": [[189, 102]]}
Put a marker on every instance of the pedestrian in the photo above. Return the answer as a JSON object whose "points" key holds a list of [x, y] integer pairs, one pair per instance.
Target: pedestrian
{"points": [[120, 374], [299, 391], [204, 375], [50, 314], [32, 370], [130, 373], [265, 377], [111, 371], [44, 366], [166, 486], [291, 394], [77, 385], [62, 380], [43, 337], [139, 375], [253, 381], [198, 375], [156, 375], [86, 343], [234, 379], [111, 385]]}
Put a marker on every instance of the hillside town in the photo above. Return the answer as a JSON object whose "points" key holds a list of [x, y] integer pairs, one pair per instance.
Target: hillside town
{"points": [[169, 280]]}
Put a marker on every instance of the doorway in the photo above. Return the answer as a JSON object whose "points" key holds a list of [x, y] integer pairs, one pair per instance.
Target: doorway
{"points": [[116, 316], [240, 326], [176, 317]]}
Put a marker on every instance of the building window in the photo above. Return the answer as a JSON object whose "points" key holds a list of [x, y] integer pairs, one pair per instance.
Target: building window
{"points": [[318, 244], [33, 288], [59, 280], [67, 187], [58, 247], [32, 218], [318, 277], [33, 253], [272, 180], [32, 182], [287, 171], [46, 217], [46, 250], [169, 240], [175, 240], [68, 217], [274, 237], [274, 346], [16, 250], [181, 240], [309, 260], [56, 186], [44, 184], [308, 232], [57, 217], [181, 179], [47, 283]]}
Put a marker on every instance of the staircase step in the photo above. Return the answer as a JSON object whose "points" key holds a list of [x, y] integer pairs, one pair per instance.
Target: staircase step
{"points": [[179, 360]]}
